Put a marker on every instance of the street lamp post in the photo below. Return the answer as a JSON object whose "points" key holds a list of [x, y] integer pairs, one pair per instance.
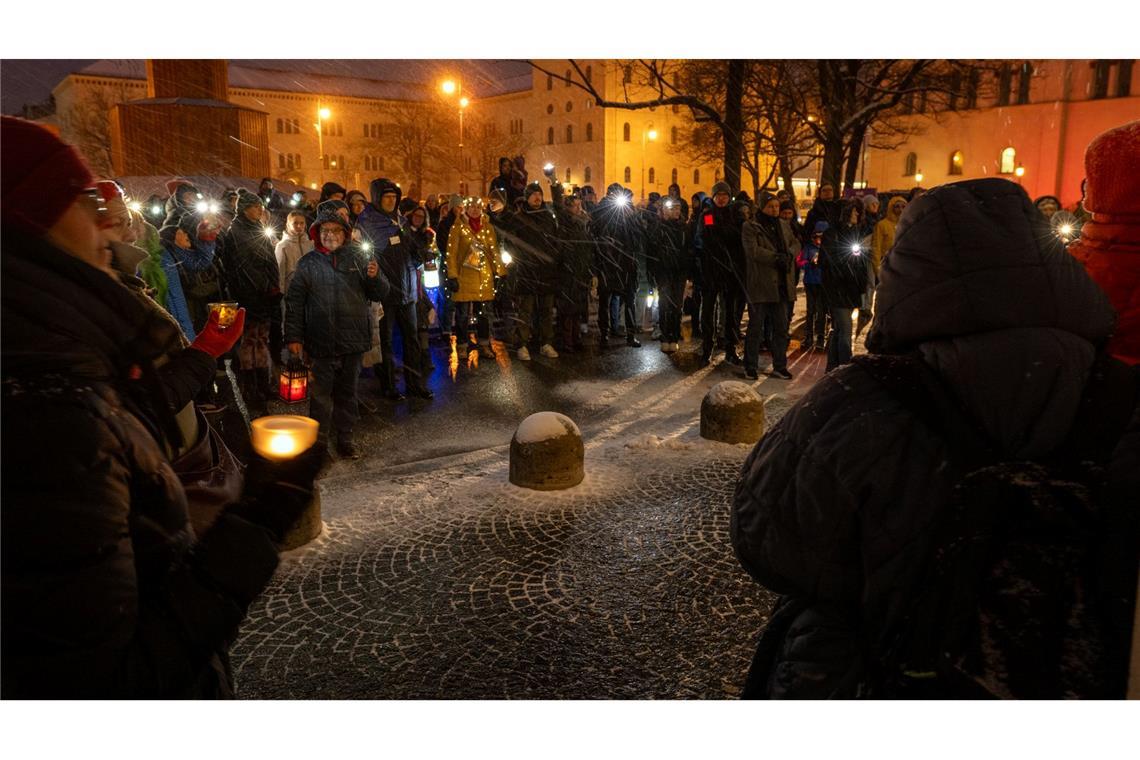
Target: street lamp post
{"points": [[451, 87], [650, 134], [322, 115]]}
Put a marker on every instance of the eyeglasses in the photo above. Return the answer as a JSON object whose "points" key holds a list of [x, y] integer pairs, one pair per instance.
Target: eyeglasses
{"points": [[94, 202]]}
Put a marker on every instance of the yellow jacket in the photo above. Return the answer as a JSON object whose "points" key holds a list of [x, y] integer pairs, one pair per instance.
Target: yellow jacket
{"points": [[474, 260]]}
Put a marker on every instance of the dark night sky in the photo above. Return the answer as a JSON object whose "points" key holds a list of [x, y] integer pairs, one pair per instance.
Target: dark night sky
{"points": [[23, 81]]}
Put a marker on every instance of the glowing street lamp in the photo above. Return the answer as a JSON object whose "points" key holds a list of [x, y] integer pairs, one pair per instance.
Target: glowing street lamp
{"points": [[918, 178], [450, 87]]}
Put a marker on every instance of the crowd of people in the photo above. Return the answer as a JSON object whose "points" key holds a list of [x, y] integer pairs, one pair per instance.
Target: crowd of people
{"points": [[132, 549]]}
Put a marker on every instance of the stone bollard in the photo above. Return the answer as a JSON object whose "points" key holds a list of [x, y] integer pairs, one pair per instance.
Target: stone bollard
{"points": [[547, 453], [732, 413], [308, 527]]}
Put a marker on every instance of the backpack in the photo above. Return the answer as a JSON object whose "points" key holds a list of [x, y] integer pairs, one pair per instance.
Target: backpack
{"points": [[1029, 587]]}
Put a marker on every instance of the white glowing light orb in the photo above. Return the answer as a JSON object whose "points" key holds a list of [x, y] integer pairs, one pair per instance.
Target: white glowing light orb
{"points": [[156, 210], [214, 207], [366, 246], [548, 168], [202, 207], [293, 202], [622, 200], [431, 278], [282, 444], [269, 232], [856, 249], [507, 258], [1066, 229], [134, 206]]}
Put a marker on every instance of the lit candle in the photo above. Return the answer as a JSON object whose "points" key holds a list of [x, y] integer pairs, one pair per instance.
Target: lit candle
{"points": [[227, 312], [283, 436]]}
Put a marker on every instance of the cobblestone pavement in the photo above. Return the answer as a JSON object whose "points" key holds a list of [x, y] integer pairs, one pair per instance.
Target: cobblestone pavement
{"points": [[456, 584]]}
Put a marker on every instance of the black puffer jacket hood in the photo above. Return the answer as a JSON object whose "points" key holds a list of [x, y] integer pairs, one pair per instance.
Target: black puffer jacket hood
{"points": [[976, 257], [381, 186]]}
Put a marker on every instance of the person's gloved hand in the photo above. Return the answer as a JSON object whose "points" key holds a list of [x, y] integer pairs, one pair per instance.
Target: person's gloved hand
{"points": [[453, 284], [216, 341], [277, 494]]}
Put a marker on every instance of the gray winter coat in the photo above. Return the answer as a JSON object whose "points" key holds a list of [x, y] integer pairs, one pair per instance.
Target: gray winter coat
{"points": [[766, 260], [835, 503], [326, 308]]}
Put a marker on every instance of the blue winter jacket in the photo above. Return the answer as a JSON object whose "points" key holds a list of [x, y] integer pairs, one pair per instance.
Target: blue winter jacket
{"points": [[198, 258]]}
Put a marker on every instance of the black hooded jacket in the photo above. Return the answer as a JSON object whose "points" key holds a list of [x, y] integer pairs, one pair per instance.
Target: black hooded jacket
{"points": [[250, 266], [616, 229], [392, 243]]}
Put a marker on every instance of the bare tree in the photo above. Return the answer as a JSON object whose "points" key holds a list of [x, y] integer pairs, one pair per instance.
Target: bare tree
{"points": [[87, 124], [414, 136], [483, 144]]}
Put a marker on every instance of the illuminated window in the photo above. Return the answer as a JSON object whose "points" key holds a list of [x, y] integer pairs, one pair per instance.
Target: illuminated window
{"points": [[628, 174], [1008, 161], [956, 161]]}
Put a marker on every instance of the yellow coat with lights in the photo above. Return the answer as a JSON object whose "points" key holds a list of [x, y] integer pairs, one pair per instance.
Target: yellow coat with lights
{"points": [[474, 260]]}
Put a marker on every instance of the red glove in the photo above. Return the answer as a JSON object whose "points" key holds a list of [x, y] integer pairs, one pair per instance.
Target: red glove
{"points": [[207, 231], [214, 340]]}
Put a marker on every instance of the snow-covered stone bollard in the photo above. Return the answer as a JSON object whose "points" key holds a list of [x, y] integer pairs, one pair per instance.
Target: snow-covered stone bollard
{"points": [[732, 413], [547, 453], [308, 527]]}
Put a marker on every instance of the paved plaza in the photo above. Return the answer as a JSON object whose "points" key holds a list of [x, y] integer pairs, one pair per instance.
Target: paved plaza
{"points": [[436, 578]]}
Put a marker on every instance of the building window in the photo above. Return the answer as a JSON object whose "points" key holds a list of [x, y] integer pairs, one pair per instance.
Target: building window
{"points": [[910, 165], [296, 126], [567, 77], [697, 177], [625, 132], [673, 177], [586, 174], [589, 132], [1008, 161], [280, 158], [627, 174], [716, 176], [550, 135], [589, 74], [567, 176], [1100, 78], [367, 128], [280, 126], [549, 108], [1024, 77], [1005, 80], [549, 82], [652, 176], [569, 133], [290, 161], [956, 162], [297, 161], [673, 135], [1124, 79], [626, 76], [569, 106]]}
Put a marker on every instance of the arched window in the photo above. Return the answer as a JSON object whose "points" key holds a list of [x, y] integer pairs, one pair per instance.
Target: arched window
{"points": [[280, 126], [289, 160], [589, 74], [956, 162], [1008, 161], [589, 132], [367, 129], [280, 160], [673, 177], [716, 176], [549, 82], [567, 77], [550, 135], [652, 176], [910, 165], [626, 75], [673, 135], [569, 133], [696, 176], [568, 175], [297, 162], [627, 174], [625, 132], [586, 174]]}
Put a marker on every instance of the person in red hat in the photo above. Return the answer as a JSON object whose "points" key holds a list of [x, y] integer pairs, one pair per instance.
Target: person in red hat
{"points": [[107, 590], [1109, 245]]}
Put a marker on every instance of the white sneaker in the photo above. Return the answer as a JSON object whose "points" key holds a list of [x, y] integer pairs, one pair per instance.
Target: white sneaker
{"points": [[524, 355], [548, 351]]}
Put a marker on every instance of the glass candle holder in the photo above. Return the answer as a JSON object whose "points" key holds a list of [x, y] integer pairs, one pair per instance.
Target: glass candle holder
{"points": [[283, 436], [226, 311]]}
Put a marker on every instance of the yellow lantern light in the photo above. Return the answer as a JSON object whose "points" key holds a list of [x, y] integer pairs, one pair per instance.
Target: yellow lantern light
{"points": [[283, 436], [1019, 171], [918, 178]]}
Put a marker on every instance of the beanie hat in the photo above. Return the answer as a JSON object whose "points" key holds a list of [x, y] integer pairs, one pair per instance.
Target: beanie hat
{"points": [[329, 188], [1112, 161], [406, 205], [176, 185], [533, 187], [871, 199], [721, 187], [787, 206], [245, 199], [326, 214], [821, 227], [42, 176], [331, 207]]}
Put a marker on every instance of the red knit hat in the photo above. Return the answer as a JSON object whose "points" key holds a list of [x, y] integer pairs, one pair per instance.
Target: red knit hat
{"points": [[41, 176], [1112, 163]]}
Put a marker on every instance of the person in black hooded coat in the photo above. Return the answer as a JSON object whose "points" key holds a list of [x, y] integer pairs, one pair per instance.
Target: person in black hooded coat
{"points": [[845, 267], [836, 507], [534, 236], [615, 227]]}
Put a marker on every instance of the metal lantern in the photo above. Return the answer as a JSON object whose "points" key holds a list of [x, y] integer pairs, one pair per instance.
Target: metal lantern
{"points": [[293, 384]]}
